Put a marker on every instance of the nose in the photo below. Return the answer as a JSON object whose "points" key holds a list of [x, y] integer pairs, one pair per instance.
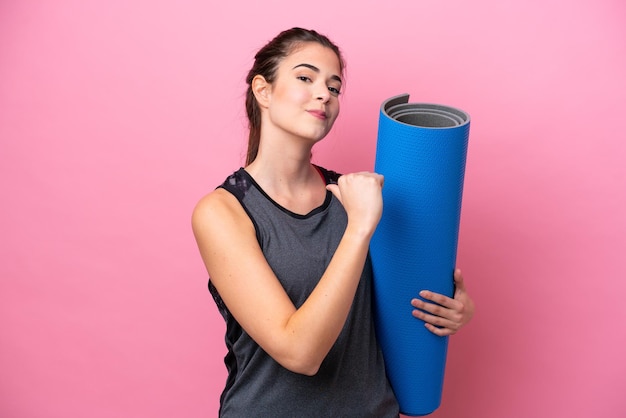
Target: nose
{"points": [[323, 94]]}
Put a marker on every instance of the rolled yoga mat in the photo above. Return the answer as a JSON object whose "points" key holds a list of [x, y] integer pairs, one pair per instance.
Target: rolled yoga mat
{"points": [[421, 150]]}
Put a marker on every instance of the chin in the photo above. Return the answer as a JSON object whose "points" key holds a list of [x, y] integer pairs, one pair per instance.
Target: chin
{"points": [[320, 137]]}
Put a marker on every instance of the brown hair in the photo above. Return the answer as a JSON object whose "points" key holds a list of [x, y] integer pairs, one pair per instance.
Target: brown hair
{"points": [[266, 62]]}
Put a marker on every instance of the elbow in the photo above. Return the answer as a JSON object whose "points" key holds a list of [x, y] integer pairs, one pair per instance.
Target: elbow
{"points": [[306, 365], [308, 369], [300, 355], [304, 369]]}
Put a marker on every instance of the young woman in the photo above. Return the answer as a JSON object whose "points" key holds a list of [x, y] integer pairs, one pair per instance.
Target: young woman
{"points": [[285, 244]]}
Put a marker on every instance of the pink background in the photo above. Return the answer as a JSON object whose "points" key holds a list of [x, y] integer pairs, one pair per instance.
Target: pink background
{"points": [[117, 116]]}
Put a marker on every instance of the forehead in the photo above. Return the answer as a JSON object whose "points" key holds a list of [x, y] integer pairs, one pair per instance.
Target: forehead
{"points": [[314, 54]]}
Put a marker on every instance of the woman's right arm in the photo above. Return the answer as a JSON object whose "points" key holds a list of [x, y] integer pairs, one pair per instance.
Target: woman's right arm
{"points": [[298, 339]]}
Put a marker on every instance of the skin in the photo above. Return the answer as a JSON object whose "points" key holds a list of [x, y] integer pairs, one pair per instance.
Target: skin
{"points": [[297, 110]]}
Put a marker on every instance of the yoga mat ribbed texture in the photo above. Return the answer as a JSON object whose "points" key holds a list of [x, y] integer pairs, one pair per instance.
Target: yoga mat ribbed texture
{"points": [[421, 150]]}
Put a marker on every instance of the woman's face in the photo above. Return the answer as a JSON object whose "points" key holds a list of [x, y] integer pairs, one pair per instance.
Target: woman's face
{"points": [[304, 98]]}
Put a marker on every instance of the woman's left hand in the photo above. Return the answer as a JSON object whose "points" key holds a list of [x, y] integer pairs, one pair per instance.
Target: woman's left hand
{"points": [[446, 315]]}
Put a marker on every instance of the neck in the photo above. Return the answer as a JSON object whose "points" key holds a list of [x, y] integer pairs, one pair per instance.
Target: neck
{"points": [[281, 171], [286, 174], [282, 161]]}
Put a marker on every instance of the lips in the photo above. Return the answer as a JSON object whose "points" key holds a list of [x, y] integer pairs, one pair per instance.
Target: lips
{"points": [[320, 114]]}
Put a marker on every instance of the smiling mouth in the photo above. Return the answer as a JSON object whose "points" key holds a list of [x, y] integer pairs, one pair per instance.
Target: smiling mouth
{"points": [[318, 114]]}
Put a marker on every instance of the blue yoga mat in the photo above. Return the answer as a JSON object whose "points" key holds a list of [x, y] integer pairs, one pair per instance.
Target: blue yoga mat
{"points": [[421, 150]]}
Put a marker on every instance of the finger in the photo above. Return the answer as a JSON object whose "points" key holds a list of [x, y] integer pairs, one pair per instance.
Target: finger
{"points": [[452, 315], [334, 189], [440, 299], [436, 324], [381, 179], [459, 282], [436, 320], [442, 332]]}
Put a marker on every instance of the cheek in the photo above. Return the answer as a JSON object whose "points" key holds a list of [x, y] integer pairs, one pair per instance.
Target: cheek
{"points": [[298, 95], [336, 112], [286, 96]]}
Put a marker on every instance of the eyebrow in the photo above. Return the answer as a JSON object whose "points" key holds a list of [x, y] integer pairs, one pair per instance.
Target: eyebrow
{"points": [[317, 70]]}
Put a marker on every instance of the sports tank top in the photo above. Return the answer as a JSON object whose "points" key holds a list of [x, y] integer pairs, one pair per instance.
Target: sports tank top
{"points": [[351, 381]]}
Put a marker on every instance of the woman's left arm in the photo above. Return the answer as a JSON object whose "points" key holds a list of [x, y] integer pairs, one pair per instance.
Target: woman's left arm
{"points": [[446, 315]]}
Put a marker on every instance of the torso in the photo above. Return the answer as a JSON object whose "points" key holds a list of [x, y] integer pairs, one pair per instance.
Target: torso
{"points": [[298, 247]]}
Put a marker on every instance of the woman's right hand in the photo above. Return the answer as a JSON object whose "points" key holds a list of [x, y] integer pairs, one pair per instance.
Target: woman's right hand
{"points": [[361, 196]]}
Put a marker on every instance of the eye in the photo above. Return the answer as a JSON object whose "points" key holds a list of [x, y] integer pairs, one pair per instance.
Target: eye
{"points": [[335, 91], [303, 78]]}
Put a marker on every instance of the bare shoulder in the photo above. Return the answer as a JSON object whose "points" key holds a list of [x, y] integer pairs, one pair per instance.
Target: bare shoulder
{"points": [[217, 212], [218, 202]]}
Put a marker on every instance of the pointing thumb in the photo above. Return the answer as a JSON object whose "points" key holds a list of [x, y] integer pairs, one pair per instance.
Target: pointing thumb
{"points": [[334, 189]]}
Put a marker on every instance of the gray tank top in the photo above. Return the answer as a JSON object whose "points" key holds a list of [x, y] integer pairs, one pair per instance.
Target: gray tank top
{"points": [[351, 381]]}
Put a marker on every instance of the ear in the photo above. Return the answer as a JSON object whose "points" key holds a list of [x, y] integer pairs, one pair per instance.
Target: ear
{"points": [[262, 90]]}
